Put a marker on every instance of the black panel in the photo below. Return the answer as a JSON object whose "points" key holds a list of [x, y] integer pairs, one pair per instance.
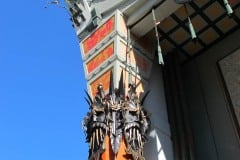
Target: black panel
{"points": [[214, 131], [182, 1]]}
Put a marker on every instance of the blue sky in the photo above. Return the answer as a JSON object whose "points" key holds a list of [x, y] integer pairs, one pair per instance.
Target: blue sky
{"points": [[41, 84]]}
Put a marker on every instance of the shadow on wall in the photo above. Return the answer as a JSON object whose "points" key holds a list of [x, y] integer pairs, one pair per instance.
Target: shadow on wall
{"points": [[153, 149], [159, 145]]}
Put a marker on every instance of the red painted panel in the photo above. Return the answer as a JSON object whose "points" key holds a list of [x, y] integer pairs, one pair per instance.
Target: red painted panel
{"points": [[104, 79], [98, 35], [100, 58]]}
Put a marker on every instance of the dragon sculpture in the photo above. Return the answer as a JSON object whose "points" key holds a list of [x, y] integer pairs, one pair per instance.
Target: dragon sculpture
{"points": [[120, 117]]}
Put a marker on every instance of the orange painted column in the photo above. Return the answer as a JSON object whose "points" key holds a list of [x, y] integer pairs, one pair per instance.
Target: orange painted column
{"points": [[109, 155], [122, 154]]}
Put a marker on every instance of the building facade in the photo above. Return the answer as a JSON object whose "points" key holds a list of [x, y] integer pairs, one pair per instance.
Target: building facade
{"points": [[194, 97]]}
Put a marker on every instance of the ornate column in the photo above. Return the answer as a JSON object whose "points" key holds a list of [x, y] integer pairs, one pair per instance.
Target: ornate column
{"points": [[116, 125]]}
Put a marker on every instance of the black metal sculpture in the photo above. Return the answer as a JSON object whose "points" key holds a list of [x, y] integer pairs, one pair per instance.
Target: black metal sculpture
{"points": [[119, 116], [136, 124], [94, 124]]}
